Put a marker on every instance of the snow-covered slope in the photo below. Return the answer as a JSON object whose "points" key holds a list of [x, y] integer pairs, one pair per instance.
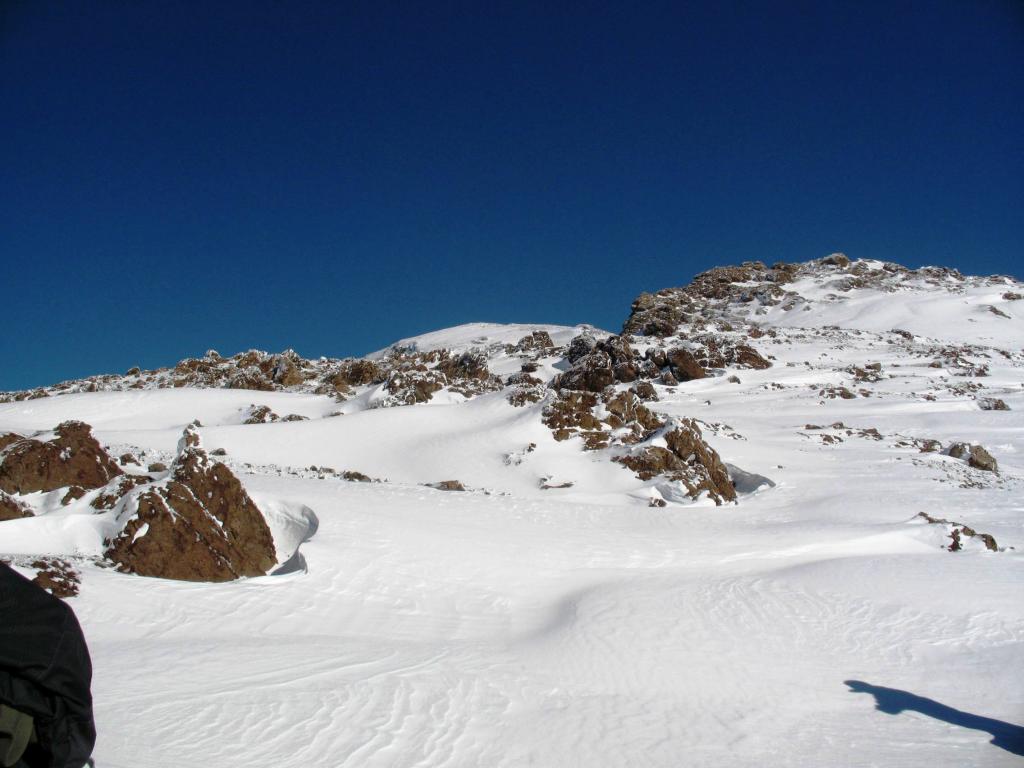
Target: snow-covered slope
{"points": [[553, 613]]}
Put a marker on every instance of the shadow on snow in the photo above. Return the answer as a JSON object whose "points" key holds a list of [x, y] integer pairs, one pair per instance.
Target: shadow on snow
{"points": [[893, 701]]}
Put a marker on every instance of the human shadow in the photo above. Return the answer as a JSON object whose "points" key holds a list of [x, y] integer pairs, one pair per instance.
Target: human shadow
{"points": [[892, 701]]}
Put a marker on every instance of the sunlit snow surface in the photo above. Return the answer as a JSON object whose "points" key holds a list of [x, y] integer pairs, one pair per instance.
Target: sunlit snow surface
{"points": [[512, 626]]}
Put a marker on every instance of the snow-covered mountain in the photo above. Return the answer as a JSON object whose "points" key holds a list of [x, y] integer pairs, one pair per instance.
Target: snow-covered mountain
{"points": [[779, 497]]}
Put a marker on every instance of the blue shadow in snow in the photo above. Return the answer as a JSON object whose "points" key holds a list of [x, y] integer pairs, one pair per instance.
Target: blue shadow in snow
{"points": [[892, 701]]}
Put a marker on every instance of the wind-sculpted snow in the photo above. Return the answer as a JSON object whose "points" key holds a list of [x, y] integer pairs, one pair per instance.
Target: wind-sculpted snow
{"points": [[584, 601]]}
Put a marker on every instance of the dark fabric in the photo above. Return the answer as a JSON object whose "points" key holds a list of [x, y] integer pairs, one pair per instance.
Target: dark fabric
{"points": [[45, 670]]}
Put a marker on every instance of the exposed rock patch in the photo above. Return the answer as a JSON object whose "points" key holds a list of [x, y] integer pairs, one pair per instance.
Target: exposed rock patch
{"points": [[447, 485], [199, 525], [975, 455], [958, 531], [685, 458], [11, 508], [73, 457]]}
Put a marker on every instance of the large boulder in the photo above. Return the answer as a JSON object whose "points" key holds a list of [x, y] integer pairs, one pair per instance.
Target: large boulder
{"points": [[975, 456], [73, 457], [198, 525], [590, 373], [684, 365], [685, 458]]}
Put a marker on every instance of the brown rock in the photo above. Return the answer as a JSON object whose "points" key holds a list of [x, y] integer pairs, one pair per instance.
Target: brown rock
{"points": [[537, 341], [590, 373], [448, 485], [975, 456], [260, 414], [645, 391], [115, 491], [688, 459], [11, 508], [748, 357], [73, 457], [57, 577], [9, 438], [992, 404], [75, 492], [684, 365], [571, 412], [200, 526]]}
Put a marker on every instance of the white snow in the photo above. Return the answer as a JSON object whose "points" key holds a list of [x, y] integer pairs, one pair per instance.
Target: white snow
{"points": [[511, 625]]}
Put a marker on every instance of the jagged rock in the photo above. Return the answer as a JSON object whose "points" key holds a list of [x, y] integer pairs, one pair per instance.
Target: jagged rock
{"points": [[975, 456], [356, 477], [525, 389], [157, 466], [448, 485], [645, 391], [748, 357], [414, 386], [626, 411], [1012, 296], [285, 369], [537, 341], [250, 379], [957, 530], [590, 373], [11, 508], [837, 260], [75, 492], [73, 457], [992, 404], [294, 417], [356, 373], [9, 438], [57, 576], [571, 412], [126, 459], [580, 346], [198, 525], [684, 365], [260, 414], [686, 458], [116, 490]]}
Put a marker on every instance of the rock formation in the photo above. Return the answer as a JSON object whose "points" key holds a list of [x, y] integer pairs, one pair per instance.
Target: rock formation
{"points": [[198, 525], [73, 457]]}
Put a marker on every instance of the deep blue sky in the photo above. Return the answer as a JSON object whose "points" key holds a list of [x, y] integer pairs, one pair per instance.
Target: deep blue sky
{"points": [[333, 176]]}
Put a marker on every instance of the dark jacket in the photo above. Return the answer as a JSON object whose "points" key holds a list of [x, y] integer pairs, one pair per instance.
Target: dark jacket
{"points": [[45, 671]]}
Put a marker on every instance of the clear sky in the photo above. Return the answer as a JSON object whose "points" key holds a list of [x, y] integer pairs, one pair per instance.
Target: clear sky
{"points": [[332, 176]]}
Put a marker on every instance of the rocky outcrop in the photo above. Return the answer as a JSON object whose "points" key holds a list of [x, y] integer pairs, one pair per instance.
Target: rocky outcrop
{"points": [[684, 458], [197, 525], [11, 508], [975, 456], [537, 342], [957, 532], [525, 389], [72, 457], [684, 365], [447, 485]]}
